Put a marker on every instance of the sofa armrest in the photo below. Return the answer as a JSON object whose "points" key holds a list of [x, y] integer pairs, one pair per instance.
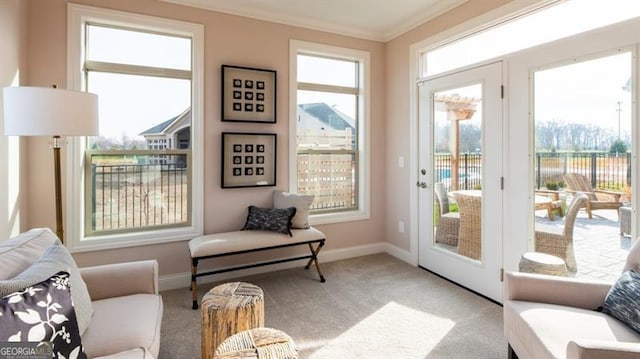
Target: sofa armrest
{"points": [[598, 349], [542, 288], [116, 280]]}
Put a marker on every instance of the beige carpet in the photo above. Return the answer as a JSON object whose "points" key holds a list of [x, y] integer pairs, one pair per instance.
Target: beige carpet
{"points": [[370, 307]]}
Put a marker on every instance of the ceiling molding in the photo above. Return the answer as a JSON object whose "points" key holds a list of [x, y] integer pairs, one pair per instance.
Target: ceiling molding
{"points": [[382, 33]]}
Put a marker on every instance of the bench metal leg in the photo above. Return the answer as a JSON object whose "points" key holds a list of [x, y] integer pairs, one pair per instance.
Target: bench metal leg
{"points": [[314, 258], [194, 285]]}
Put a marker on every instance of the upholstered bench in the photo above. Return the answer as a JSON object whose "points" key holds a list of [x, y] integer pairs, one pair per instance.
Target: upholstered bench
{"points": [[238, 242]]}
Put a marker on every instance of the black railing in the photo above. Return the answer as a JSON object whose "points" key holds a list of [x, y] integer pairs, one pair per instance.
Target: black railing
{"points": [[469, 170], [153, 191], [605, 170]]}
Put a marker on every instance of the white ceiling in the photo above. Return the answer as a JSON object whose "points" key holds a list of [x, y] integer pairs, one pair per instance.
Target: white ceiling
{"points": [[379, 20]]}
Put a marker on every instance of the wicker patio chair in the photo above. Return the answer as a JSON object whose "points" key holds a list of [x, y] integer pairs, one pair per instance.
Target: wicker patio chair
{"points": [[559, 241], [469, 238], [449, 222], [597, 198]]}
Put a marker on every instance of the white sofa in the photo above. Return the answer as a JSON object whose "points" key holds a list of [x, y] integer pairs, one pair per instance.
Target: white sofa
{"points": [[125, 304], [549, 317]]}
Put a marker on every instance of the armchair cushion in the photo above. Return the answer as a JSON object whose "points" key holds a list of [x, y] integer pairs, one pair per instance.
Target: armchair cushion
{"points": [[120, 279], [17, 253], [55, 259], [543, 314], [622, 300], [122, 323]]}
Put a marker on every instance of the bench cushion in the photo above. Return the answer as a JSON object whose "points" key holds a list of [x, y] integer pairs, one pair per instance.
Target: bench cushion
{"points": [[227, 242]]}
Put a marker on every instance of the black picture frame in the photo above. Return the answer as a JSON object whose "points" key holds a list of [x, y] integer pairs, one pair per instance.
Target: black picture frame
{"points": [[248, 94], [249, 172]]}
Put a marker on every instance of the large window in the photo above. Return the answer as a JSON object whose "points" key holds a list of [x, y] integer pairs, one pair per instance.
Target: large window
{"points": [[530, 29], [142, 172], [329, 92]]}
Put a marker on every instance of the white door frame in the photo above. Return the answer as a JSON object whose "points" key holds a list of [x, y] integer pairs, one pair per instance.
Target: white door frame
{"points": [[482, 276], [518, 187]]}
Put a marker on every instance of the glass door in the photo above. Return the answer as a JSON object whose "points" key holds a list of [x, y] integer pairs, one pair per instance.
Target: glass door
{"points": [[583, 141], [460, 196]]}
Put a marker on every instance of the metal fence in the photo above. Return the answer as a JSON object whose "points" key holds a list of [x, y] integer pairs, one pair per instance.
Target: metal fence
{"points": [[605, 170], [132, 196], [469, 170]]}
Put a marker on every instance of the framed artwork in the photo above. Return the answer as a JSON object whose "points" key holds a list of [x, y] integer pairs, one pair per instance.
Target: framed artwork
{"points": [[248, 159], [248, 94]]}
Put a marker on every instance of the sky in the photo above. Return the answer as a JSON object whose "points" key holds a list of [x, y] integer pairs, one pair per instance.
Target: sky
{"points": [[130, 105]]}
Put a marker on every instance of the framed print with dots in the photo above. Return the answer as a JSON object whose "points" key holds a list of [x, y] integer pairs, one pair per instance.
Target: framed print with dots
{"points": [[248, 159], [248, 94]]}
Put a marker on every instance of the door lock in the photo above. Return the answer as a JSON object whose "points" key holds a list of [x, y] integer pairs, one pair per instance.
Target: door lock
{"points": [[421, 184], [423, 171]]}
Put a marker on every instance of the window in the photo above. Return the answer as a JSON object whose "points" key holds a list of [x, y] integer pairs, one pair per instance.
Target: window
{"points": [[528, 30], [329, 132], [142, 174]]}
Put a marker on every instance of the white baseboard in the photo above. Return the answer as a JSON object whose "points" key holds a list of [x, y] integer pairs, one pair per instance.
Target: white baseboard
{"points": [[183, 280], [401, 254]]}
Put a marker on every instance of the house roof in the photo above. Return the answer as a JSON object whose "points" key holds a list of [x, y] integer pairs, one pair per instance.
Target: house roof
{"points": [[170, 125], [328, 116]]}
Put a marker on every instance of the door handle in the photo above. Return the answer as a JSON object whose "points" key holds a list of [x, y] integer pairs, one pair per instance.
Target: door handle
{"points": [[421, 184]]}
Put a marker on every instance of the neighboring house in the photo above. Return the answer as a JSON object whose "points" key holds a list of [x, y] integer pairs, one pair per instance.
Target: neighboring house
{"points": [[321, 125], [174, 133]]}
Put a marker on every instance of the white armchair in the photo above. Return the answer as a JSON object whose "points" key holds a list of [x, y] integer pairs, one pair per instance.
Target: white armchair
{"points": [[555, 317]]}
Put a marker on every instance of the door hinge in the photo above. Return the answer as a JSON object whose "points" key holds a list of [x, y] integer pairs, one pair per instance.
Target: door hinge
{"points": [[502, 91], [502, 274], [502, 183]]}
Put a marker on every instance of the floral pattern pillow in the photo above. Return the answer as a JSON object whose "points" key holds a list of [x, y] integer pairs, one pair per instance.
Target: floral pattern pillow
{"points": [[43, 313], [270, 219]]}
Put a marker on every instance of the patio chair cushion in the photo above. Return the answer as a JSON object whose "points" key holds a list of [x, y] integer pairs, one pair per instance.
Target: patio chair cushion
{"points": [[622, 300]]}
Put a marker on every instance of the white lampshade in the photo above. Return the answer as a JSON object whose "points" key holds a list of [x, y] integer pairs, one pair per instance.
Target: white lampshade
{"points": [[45, 111]]}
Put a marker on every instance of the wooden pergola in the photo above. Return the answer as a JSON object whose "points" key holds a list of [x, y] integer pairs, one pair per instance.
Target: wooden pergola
{"points": [[458, 109]]}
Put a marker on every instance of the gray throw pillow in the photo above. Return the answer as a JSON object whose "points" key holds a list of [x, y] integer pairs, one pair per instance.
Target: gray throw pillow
{"points": [[302, 202], [55, 259], [622, 300], [270, 219]]}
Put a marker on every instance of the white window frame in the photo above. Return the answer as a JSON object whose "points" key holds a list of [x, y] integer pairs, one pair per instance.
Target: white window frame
{"points": [[77, 16], [363, 119]]}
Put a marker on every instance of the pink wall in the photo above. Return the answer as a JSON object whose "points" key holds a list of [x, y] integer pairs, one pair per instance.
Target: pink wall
{"points": [[228, 40], [13, 24], [397, 130]]}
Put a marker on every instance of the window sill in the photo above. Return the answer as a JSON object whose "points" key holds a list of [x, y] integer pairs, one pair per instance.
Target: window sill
{"points": [[115, 241], [338, 217]]}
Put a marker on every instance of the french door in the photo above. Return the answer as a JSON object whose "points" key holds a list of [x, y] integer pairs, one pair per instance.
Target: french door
{"points": [[460, 158]]}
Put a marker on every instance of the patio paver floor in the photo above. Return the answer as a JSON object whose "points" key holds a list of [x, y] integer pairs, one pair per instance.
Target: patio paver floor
{"points": [[600, 250]]}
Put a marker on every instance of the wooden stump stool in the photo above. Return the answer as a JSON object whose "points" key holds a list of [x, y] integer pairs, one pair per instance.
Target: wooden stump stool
{"points": [[259, 343], [229, 309], [542, 263]]}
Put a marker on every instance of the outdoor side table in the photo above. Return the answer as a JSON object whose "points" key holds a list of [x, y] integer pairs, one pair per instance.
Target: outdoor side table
{"points": [[625, 221], [229, 309], [542, 263]]}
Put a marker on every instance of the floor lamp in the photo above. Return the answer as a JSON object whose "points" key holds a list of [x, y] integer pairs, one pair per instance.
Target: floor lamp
{"points": [[42, 111]]}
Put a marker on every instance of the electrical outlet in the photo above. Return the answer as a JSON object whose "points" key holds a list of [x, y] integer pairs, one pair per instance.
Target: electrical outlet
{"points": [[401, 226]]}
